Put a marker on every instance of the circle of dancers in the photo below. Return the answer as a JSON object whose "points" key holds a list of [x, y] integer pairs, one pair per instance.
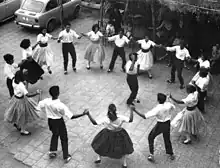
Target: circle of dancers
{"points": [[113, 141]]}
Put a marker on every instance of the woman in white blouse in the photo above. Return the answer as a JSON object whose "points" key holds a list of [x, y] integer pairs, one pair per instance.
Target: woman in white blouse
{"points": [[22, 109], [33, 70], [95, 49], [192, 118], [43, 54], [113, 141], [145, 56]]}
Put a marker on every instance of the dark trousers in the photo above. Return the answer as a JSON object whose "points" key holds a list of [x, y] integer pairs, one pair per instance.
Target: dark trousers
{"points": [[58, 129], [177, 66], [121, 52], [201, 100], [10, 87], [66, 49], [164, 128], [133, 85]]}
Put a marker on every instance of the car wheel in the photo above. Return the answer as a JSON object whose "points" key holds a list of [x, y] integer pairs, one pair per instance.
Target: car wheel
{"points": [[76, 12], [51, 25]]}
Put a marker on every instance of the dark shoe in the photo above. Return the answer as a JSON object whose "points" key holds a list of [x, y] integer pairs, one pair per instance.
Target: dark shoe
{"points": [[49, 71], [136, 100], [97, 161], [109, 70], [16, 126], [74, 69], [26, 133], [171, 157], [88, 68], [65, 72], [101, 67], [69, 157], [123, 166], [52, 155], [150, 158], [182, 86], [150, 76], [170, 81]]}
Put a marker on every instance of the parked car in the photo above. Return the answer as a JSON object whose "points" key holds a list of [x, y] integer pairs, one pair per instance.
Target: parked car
{"points": [[8, 8], [45, 13]]}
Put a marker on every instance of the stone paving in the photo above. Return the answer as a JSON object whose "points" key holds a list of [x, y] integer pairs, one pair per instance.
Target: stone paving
{"points": [[95, 89]]}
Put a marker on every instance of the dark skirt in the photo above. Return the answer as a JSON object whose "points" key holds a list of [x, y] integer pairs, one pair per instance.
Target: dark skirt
{"points": [[34, 71], [112, 144]]}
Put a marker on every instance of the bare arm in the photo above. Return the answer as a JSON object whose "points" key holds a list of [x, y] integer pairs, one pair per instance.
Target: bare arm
{"points": [[140, 114], [177, 101], [92, 119]]}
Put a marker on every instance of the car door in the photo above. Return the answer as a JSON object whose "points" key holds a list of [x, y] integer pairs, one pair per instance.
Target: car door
{"points": [[2, 10], [11, 7], [68, 8]]}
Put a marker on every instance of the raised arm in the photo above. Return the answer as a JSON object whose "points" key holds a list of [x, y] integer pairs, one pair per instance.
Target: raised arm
{"points": [[176, 101], [113, 38], [171, 49], [79, 115]]}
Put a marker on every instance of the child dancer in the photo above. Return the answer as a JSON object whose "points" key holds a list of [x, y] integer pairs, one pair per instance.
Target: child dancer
{"points": [[113, 141], [55, 110], [9, 72], [162, 112], [22, 109]]}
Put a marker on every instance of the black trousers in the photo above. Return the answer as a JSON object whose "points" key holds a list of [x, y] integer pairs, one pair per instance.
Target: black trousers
{"points": [[201, 100], [164, 128], [121, 52], [133, 85], [66, 49], [58, 129], [10, 87], [177, 66]]}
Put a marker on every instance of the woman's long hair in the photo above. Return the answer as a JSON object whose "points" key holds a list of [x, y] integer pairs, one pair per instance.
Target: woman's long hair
{"points": [[112, 115]]}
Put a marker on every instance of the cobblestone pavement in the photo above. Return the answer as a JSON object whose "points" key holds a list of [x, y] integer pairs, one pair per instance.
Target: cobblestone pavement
{"points": [[95, 89]]}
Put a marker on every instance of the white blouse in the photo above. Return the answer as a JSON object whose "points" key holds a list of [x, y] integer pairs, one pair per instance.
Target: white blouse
{"points": [[27, 53], [146, 45], [205, 64], [115, 124], [203, 83], [191, 100], [128, 65], [44, 39], [94, 36], [19, 89]]}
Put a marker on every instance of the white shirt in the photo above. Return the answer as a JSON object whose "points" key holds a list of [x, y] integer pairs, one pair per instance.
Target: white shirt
{"points": [[205, 64], [191, 100], [54, 109], [146, 45], [67, 37], [27, 53], [180, 54], [19, 89], [115, 124], [162, 112], [44, 39], [128, 65], [119, 42], [203, 83], [9, 70], [110, 29], [94, 36]]}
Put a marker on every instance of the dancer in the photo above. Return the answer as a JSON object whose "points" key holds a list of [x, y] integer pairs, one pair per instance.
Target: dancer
{"points": [[9, 72], [95, 47], [192, 118], [113, 141], [202, 61], [22, 108], [43, 55], [110, 29], [182, 54], [120, 41], [145, 57], [132, 70], [201, 82], [162, 112], [33, 70], [55, 110], [66, 38]]}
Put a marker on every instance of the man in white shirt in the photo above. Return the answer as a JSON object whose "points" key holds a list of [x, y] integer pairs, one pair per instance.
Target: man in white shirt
{"points": [[202, 85], [66, 38], [9, 71], [162, 112], [181, 55], [120, 41], [55, 110]]}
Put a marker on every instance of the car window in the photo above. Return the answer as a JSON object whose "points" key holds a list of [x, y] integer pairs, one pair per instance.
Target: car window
{"points": [[65, 1], [51, 5], [33, 6]]}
